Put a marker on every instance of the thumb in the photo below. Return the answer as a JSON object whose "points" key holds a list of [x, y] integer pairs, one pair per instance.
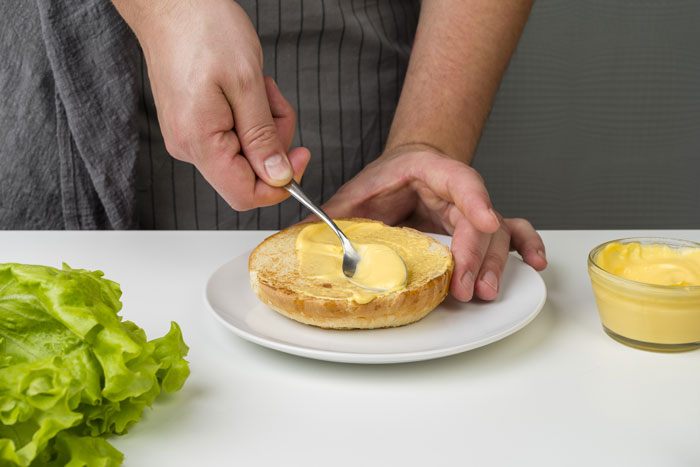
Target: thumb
{"points": [[257, 132]]}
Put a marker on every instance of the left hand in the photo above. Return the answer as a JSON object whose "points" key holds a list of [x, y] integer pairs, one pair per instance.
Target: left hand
{"points": [[419, 187]]}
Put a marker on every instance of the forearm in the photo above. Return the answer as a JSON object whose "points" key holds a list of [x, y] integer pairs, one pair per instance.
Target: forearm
{"points": [[460, 51], [133, 11]]}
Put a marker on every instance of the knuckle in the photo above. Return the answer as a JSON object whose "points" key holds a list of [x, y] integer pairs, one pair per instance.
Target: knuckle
{"points": [[472, 259], [466, 167], [518, 223], [453, 214], [178, 142], [247, 76], [494, 261], [477, 175], [174, 150], [241, 204], [506, 227], [468, 170], [182, 136], [262, 134]]}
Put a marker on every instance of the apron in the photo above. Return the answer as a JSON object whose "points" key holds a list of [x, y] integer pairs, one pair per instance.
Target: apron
{"points": [[81, 147]]}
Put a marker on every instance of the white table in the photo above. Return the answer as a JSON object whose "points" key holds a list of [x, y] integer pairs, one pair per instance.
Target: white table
{"points": [[558, 392]]}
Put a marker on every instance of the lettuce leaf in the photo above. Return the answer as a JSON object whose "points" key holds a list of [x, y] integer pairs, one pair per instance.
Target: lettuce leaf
{"points": [[71, 371]]}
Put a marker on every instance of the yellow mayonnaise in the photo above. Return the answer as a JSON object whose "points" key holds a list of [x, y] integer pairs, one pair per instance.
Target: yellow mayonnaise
{"points": [[380, 268], [385, 258], [660, 310], [652, 263]]}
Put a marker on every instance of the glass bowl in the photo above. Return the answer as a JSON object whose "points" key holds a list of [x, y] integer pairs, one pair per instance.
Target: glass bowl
{"points": [[663, 318]]}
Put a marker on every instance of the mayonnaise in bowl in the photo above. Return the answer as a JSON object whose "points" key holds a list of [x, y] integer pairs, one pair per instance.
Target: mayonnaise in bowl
{"points": [[648, 292]]}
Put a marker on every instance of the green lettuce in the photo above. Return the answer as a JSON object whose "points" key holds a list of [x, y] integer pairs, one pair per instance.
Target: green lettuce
{"points": [[71, 371]]}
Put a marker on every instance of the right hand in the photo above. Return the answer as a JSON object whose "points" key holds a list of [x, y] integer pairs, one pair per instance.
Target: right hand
{"points": [[216, 109]]}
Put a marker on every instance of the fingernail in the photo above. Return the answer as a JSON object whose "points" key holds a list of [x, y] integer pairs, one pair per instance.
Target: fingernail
{"points": [[468, 280], [541, 253], [495, 217], [278, 168], [490, 279]]}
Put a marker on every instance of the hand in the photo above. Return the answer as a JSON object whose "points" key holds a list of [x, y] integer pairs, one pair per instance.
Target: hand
{"points": [[215, 108], [419, 187]]}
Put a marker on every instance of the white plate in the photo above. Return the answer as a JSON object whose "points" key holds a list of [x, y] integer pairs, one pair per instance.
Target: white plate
{"points": [[451, 328]]}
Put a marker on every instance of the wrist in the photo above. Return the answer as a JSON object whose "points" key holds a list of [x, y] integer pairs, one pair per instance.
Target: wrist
{"points": [[394, 148], [143, 16], [414, 126]]}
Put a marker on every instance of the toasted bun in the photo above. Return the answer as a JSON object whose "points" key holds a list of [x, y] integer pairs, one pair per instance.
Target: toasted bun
{"points": [[275, 279]]}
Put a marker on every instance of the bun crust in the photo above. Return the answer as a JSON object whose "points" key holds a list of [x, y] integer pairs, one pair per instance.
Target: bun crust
{"points": [[274, 278]]}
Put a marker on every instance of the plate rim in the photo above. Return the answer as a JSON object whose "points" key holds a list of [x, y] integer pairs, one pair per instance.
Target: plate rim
{"points": [[368, 358]]}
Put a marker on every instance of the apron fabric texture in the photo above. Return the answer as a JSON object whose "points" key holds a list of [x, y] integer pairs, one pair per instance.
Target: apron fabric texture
{"points": [[68, 97], [81, 144]]}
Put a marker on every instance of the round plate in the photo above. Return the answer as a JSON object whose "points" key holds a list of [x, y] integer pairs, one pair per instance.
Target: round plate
{"points": [[451, 328]]}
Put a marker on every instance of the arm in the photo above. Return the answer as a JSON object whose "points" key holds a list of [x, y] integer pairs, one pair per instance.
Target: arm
{"points": [[423, 178], [460, 52]]}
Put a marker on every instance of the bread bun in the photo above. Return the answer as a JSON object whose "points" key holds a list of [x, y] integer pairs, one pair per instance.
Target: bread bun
{"points": [[275, 279]]}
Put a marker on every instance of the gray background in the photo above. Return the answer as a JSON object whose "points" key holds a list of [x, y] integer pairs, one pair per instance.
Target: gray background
{"points": [[597, 121]]}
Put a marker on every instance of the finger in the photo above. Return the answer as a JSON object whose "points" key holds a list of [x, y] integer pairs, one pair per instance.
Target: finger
{"points": [[526, 241], [487, 285], [299, 159], [234, 179], [468, 249], [255, 127], [459, 183], [341, 204], [282, 113], [198, 125]]}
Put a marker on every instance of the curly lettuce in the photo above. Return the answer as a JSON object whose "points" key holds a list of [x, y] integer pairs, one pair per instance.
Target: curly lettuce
{"points": [[71, 371]]}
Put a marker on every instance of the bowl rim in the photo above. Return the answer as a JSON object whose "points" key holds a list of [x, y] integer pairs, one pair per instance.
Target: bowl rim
{"points": [[662, 240]]}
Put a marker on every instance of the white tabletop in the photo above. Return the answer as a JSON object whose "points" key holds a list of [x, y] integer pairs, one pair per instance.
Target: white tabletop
{"points": [[558, 392]]}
